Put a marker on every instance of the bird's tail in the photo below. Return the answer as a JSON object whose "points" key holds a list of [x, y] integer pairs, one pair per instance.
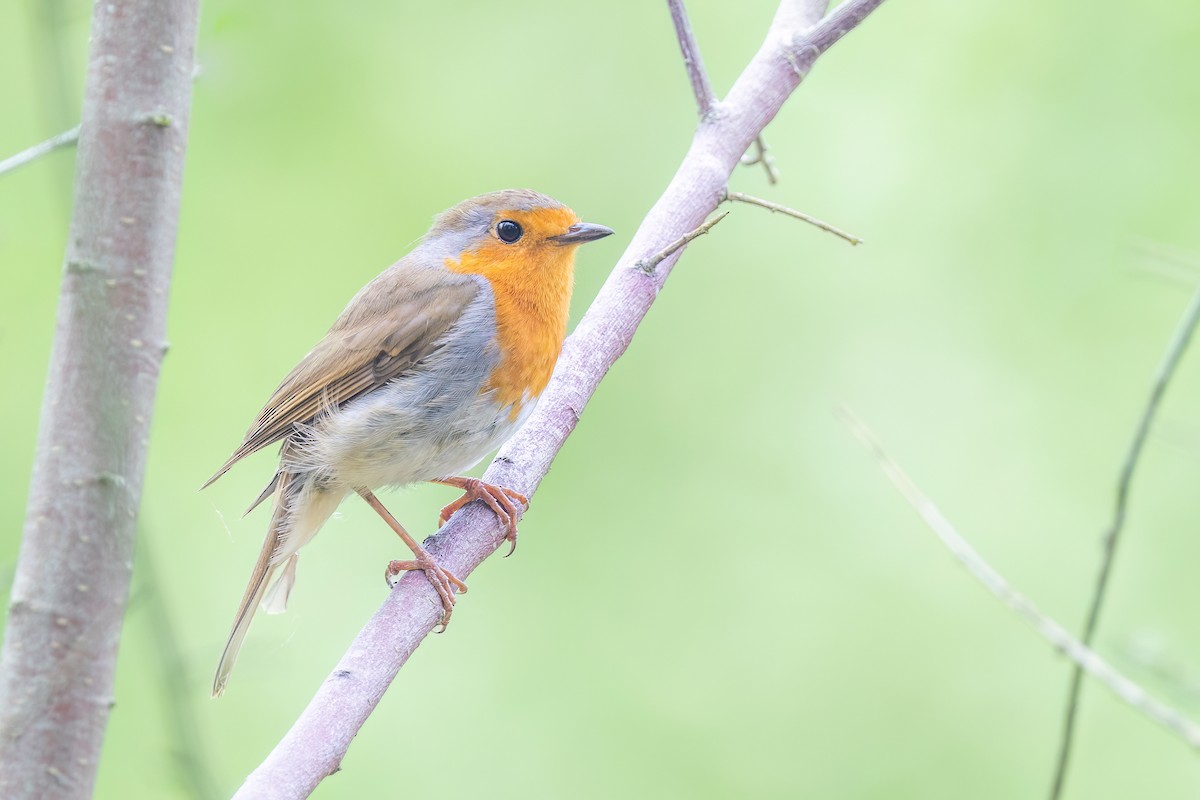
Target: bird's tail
{"points": [[264, 569], [300, 510]]}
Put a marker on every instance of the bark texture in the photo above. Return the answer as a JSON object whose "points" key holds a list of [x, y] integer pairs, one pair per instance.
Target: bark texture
{"points": [[73, 571]]}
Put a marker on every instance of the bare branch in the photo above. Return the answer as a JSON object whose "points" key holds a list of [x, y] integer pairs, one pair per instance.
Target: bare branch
{"points": [[648, 265], [701, 88], [762, 156], [72, 578], [64, 139], [742, 197], [317, 742], [1059, 637], [1175, 349]]}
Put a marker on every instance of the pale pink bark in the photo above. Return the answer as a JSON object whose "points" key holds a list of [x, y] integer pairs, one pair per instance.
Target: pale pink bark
{"points": [[72, 575], [317, 742]]}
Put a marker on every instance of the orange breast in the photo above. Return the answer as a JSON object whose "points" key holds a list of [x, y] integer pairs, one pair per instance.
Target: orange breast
{"points": [[533, 299]]}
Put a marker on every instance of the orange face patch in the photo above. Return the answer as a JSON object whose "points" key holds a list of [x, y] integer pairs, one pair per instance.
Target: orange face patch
{"points": [[531, 279]]}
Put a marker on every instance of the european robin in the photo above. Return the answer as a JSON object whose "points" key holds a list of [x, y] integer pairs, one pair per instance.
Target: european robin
{"points": [[433, 365]]}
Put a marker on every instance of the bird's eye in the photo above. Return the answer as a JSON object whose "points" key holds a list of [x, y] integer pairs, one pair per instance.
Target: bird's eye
{"points": [[508, 231]]}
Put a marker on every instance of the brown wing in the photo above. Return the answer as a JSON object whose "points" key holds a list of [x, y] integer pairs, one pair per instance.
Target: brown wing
{"points": [[389, 326]]}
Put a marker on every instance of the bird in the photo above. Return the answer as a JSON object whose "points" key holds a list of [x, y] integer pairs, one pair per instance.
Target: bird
{"points": [[431, 366]]}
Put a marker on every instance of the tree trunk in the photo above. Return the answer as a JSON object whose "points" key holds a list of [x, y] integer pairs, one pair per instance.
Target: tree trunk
{"points": [[72, 575]]}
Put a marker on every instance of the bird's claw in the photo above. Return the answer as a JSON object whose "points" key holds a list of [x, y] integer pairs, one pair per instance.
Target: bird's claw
{"points": [[505, 503], [444, 581]]}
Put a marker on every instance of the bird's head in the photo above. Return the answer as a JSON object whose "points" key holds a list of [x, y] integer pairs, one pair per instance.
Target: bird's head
{"points": [[512, 236]]}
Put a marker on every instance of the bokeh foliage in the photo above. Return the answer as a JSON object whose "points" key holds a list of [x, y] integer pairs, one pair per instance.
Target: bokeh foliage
{"points": [[716, 594]]}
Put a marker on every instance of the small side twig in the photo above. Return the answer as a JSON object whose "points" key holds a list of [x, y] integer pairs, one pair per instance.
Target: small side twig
{"points": [[1059, 637], [762, 155], [64, 139], [701, 88], [742, 197], [647, 265], [1179, 342]]}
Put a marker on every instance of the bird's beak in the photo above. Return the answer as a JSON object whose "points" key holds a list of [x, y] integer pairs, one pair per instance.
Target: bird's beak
{"points": [[581, 232]]}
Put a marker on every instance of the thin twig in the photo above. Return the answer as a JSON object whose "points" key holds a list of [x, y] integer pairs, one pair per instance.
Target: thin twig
{"points": [[701, 87], [648, 265], [1185, 258], [1175, 349], [188, 747], [64, 139], [762, 156], [742, 197], [1059, 637]]}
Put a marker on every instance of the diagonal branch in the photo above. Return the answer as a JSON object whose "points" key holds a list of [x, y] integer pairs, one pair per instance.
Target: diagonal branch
{"points": [[1179, 342], [1059, 637], [317, 742], [64, 139]]}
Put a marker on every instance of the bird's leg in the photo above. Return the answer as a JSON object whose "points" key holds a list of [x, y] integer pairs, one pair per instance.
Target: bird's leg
{"points": [[504, 503], [443, 580]]}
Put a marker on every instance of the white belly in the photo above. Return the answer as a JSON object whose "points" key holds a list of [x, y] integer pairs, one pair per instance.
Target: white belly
{"points": [[381, 443]]}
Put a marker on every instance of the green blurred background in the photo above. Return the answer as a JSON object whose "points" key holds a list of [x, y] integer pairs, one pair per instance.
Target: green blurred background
{"points": [[717, 594]]}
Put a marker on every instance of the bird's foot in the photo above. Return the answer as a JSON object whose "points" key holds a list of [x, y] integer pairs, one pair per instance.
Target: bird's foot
{"points": [[443, 580], [506, 504]]}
